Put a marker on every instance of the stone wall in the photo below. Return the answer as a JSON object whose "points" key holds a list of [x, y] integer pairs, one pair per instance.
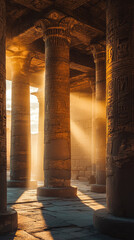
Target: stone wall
{"points": [[81, 145]]}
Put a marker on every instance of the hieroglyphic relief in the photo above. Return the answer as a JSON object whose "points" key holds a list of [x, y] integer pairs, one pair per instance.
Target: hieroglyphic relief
{"points": [[119, 82]]}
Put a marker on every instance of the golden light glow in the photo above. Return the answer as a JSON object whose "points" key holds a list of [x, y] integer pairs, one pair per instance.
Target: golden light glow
{"points": [[90, 202], [81, 129]]}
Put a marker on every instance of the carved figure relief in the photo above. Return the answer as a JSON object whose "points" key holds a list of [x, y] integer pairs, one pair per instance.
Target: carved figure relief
{"points": [[122, 48]]}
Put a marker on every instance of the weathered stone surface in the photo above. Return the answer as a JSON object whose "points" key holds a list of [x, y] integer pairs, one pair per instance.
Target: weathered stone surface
{"points": [[120, 108], [123, 228], [57, 162], [117, 220], [8, 221], [20, 121], [57, 109]]}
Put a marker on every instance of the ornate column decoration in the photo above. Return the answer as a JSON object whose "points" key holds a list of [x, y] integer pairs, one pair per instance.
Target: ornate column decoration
{"points": [[20, 159], [57, 152], [99, 54], [120, 122], [8, 216]]}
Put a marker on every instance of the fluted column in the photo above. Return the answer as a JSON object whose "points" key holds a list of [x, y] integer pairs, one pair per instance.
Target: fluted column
{"points": [[100, 118], [20, 158], [120, 122], [57, 152], [8, 217]]}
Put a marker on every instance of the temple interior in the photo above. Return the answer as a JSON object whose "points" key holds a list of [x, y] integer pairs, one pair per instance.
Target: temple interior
{"points": [[66, 119]]}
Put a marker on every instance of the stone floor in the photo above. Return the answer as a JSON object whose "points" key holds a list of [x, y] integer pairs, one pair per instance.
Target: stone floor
{"points": [[53, 218]]}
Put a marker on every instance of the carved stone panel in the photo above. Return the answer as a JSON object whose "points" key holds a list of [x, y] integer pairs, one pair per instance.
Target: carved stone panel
{"points": [[120, 103]]}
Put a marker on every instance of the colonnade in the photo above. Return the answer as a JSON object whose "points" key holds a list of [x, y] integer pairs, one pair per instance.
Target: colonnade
{"points": [[114, 95]]}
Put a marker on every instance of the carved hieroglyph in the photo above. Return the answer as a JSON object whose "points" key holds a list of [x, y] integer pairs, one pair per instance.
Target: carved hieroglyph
{"points": [[120, 107], [119, 83]]}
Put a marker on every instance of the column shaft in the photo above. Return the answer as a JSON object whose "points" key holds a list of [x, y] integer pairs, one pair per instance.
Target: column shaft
{"points": [[57, 110], [20, 128], [118, 219], [57, 153], [120, 108]]}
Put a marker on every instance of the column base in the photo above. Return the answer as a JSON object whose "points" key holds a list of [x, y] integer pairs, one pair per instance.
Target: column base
{"points": [[117, 227], [21, 184], [68, 192], [8, 221], [98, 188]]}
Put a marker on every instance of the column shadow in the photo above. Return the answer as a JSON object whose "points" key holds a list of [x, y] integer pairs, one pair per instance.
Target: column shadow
{"points": [[68, 219]]}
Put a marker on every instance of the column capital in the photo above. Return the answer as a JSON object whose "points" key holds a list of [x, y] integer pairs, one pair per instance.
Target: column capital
{"points": [[56, 32], [56, 29], [99, 52]]}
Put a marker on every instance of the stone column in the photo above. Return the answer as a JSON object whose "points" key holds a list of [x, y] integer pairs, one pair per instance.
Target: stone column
{"points": [[20, 159], [118, 219], [8, 217], [100, 118], [57, 155], [92, 179]]}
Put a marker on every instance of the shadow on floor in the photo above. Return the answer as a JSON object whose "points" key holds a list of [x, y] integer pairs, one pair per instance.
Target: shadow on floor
{"points": [[68, 219], [14, 194], [54, 218]]}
